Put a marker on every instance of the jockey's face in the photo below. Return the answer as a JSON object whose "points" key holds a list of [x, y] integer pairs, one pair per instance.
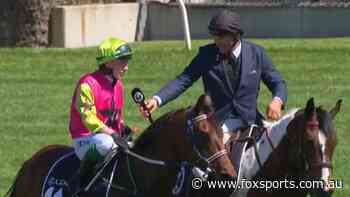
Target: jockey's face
{"points": [[119, 67], [225, 43]]}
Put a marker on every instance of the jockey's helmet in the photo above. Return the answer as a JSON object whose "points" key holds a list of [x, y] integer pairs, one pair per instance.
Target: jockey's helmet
{"points": [[113, 48]]}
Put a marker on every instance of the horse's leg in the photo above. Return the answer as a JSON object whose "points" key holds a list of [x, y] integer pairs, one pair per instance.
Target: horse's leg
{"points": [[31, 176]]}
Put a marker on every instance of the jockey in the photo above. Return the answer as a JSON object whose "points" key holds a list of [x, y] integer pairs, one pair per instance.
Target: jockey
{"points": [[96, 119]]}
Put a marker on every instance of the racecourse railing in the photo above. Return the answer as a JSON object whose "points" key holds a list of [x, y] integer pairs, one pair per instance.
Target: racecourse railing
{"points": [[283, 3]]}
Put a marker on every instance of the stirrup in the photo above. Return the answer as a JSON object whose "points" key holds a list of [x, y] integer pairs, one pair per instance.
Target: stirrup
{"points": [[99, 167]]}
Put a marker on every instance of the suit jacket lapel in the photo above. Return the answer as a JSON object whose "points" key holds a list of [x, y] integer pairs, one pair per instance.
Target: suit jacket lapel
{"points": [[246, 63]]}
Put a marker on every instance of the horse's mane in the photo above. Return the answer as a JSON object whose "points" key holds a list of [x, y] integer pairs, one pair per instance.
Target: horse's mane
{"points": [[295, 112], [149, 134]]}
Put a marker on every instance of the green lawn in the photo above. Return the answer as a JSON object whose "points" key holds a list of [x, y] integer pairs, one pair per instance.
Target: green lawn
{"points": [[36, 86]]}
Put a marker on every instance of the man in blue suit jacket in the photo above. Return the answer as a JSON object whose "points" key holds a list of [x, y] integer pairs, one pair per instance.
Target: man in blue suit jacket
{"points": [[231, 70]]}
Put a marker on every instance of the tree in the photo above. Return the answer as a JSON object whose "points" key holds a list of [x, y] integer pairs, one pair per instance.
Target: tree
{"points": [[32, 19], [32, 22]]}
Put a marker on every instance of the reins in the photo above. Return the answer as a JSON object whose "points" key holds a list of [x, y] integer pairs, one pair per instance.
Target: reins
{"points": [[147, 160], [190, 133], [253, 140]]}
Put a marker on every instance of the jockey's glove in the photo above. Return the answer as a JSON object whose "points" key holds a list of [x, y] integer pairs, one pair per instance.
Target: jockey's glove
{"points": [[127, 130], [120, 141]]}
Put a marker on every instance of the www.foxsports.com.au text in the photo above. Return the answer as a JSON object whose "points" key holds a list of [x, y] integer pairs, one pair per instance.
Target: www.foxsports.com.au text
{"points": [[198, 183]]}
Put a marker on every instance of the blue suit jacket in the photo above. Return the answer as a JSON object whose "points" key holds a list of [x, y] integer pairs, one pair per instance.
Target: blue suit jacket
{"points": [[255, 66]]}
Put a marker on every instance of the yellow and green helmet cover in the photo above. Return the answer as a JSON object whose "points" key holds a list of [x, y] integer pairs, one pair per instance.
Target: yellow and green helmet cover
{"points": [[112, 48]]}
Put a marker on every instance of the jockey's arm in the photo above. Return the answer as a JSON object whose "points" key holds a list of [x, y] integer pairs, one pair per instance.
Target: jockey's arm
{"points": [[87, 109]]}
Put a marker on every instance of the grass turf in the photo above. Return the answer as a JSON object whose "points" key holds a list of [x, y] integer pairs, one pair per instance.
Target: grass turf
{"points": [[37, 84]]}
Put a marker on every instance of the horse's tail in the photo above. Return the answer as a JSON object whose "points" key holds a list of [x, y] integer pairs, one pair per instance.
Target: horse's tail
{"points": [[12, 189]]}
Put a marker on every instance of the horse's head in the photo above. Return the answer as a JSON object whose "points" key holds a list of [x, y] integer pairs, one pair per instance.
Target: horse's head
{"points": [[191, 134], [313, 138], [207, 137]]}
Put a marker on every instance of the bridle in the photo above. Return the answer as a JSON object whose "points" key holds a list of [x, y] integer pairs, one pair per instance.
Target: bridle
{"points": [[310, 125], [314, 124], [190, 132]]}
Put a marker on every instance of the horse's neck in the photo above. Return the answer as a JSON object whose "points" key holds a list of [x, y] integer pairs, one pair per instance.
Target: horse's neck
{"points": [[279, 161], [267, 156], [149, 178], [138, 176], [167, 143]]}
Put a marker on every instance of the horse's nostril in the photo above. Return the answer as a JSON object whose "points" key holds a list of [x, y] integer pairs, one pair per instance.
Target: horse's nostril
{"points": [[331, 191], [323, 193], [226, 176]]}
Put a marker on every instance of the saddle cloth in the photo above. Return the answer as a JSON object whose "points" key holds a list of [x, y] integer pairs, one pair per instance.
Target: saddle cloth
{"points": [[62, 179]]}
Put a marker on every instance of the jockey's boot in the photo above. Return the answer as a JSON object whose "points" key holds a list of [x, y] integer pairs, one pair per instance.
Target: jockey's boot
{"points": [[85, 174]]}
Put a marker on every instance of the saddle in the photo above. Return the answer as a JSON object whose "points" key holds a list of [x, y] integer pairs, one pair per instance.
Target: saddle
{"points": [[63, 178], [250, 136]]}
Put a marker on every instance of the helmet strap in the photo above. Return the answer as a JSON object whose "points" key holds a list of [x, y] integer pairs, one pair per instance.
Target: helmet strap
{"points": [[105, 70]]}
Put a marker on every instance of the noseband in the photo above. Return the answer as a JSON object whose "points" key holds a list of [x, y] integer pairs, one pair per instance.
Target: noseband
{"points": [[191, 134], [312, 125]]}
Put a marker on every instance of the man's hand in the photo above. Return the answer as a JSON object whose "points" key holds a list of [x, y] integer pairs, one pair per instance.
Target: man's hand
{"points": [[274, 110], [151, 105], [133, 129], [120, 141]]}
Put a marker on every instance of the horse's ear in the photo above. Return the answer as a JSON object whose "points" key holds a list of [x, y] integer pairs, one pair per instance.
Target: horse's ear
{"points": [[204, 105], [310, 108], [336, 108]]}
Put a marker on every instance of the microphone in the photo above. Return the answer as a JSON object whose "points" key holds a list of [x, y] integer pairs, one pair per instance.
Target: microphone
{"points": [[139, 98]]}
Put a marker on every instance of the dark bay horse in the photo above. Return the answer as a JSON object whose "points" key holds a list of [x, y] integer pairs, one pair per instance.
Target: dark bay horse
{"points": [[191, 135], [304, 153]]}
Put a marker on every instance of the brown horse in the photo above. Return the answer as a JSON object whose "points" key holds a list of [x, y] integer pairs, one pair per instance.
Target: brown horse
{"points": [[191, 135], [304, 153]]}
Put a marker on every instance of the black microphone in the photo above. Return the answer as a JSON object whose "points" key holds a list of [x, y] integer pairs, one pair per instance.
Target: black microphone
{"points": [[139, 98]]}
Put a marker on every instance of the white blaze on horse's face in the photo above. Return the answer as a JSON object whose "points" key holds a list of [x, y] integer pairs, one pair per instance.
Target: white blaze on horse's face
{"points": [[325, 170]]}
